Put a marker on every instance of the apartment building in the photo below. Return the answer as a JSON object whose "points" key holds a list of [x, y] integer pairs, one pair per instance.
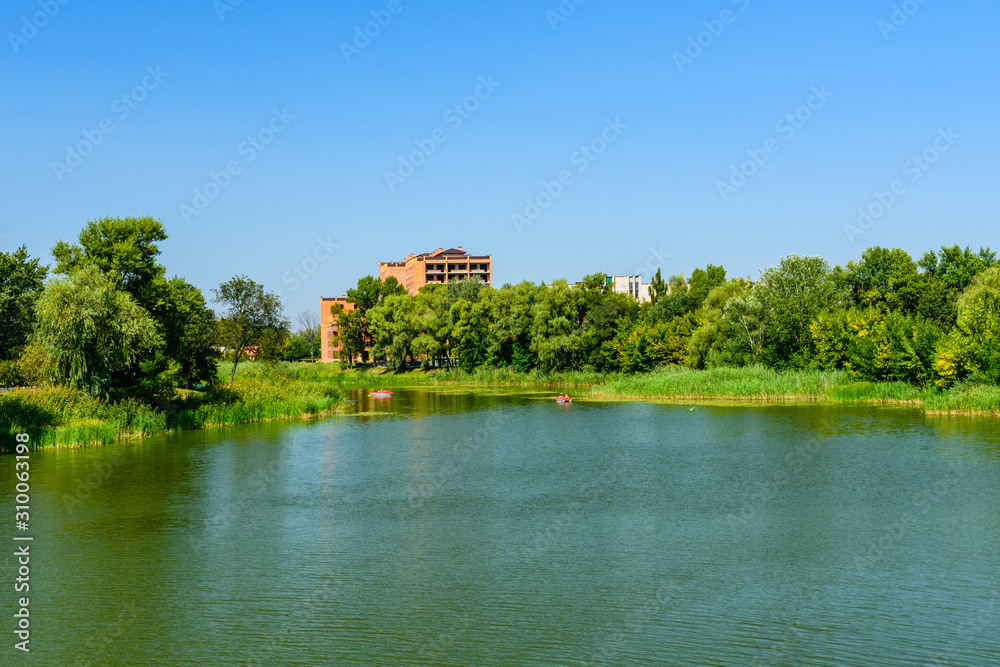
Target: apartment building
{"points": [[330, 347], [630, 285], [439, 266]]}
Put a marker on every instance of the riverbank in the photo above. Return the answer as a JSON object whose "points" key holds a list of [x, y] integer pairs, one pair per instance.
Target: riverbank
{"points": [[59, 417], [752, 384]]}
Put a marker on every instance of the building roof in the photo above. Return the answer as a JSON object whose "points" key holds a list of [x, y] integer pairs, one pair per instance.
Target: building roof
{"points": [[440, 252]]}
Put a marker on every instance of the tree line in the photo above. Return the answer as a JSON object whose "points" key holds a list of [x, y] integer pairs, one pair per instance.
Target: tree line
{"points": [[109, 321], [885, 317]]}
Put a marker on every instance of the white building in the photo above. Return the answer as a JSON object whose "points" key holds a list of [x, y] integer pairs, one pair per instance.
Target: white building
{"points": [[630, 285]]}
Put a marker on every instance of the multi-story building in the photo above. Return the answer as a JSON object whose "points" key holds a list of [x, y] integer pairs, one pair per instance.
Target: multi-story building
{"points": [[630, 285], [328, 327], [440, 266]]}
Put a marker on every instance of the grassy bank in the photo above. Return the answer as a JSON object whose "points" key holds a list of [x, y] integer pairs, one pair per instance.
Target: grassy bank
{"points": [[61, 417], [757, 384]]}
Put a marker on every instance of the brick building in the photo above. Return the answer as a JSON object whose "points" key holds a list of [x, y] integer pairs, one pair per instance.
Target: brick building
{"points": [[330, 347], [440, 266]]}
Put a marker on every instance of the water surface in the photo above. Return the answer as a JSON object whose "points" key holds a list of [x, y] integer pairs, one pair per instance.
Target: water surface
{"points": [[450, 528]]}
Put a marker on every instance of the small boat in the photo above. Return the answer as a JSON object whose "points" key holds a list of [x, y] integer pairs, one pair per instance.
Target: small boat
{"points": [[381, 393], [563, 399]]}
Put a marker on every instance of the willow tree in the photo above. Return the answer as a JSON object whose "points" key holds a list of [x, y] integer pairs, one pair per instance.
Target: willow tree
{"points": [[89, 330]]}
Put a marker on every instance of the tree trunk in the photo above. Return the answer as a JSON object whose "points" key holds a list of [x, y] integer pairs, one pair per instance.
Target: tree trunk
{"points": [[236, 361]]}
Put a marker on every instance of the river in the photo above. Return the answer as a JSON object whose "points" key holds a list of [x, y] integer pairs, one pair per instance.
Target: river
{"points": [[499, 528]]}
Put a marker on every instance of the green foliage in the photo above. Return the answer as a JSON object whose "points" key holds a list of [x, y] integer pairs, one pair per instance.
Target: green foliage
{"points": [[704, 281], [885, 279], [956, 267], [642, 346], [972, 348], [755, 383], [89, 330], [782, 305], [253, 319], [876, 345], [60, 416], [393, 325], [556, 328], [711, 343], [657, 287], [21, 282], [123, 248], [675, 302], [188, 326], [126, 251]]}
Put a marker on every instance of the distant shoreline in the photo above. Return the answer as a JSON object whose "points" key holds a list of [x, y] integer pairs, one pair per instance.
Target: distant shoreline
{"points": [[62, 418]]}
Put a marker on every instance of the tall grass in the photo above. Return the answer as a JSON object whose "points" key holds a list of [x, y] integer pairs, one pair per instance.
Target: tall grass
{"points": [[248, 401], [755, 384], [965, 399], [61, 417]]}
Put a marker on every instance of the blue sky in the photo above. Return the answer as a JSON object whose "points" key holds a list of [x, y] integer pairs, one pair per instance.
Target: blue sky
{"points": [[338, 119]]}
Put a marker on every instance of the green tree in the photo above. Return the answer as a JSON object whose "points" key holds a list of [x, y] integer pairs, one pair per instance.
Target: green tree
{"points": [[350, 334], [253, 318], [956, 267], [394, 326], [971, 349], [787, 298], [886, 279], [510, 319], [126, 250], [642, 346], [556, 326], [702, 282], [657, 287], [469, 333], [123, 248], [22, 280], [354, 330], [675, 302], [707, 346], [188, 327], [309, 332], [89, 329], [876, 344]]}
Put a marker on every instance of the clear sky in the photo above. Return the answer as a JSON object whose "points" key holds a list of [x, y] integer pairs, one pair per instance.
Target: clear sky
{"points": [[184, 85]]}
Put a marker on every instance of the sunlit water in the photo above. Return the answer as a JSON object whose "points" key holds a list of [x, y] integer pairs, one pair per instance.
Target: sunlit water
{"points": [[456, 529]]}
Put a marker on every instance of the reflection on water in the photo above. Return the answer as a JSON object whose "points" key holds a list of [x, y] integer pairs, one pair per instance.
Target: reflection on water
{"points": [[452, 528]]}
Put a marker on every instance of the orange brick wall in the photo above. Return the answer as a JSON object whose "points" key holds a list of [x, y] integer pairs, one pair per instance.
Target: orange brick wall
{"points": [[328, 327]]}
